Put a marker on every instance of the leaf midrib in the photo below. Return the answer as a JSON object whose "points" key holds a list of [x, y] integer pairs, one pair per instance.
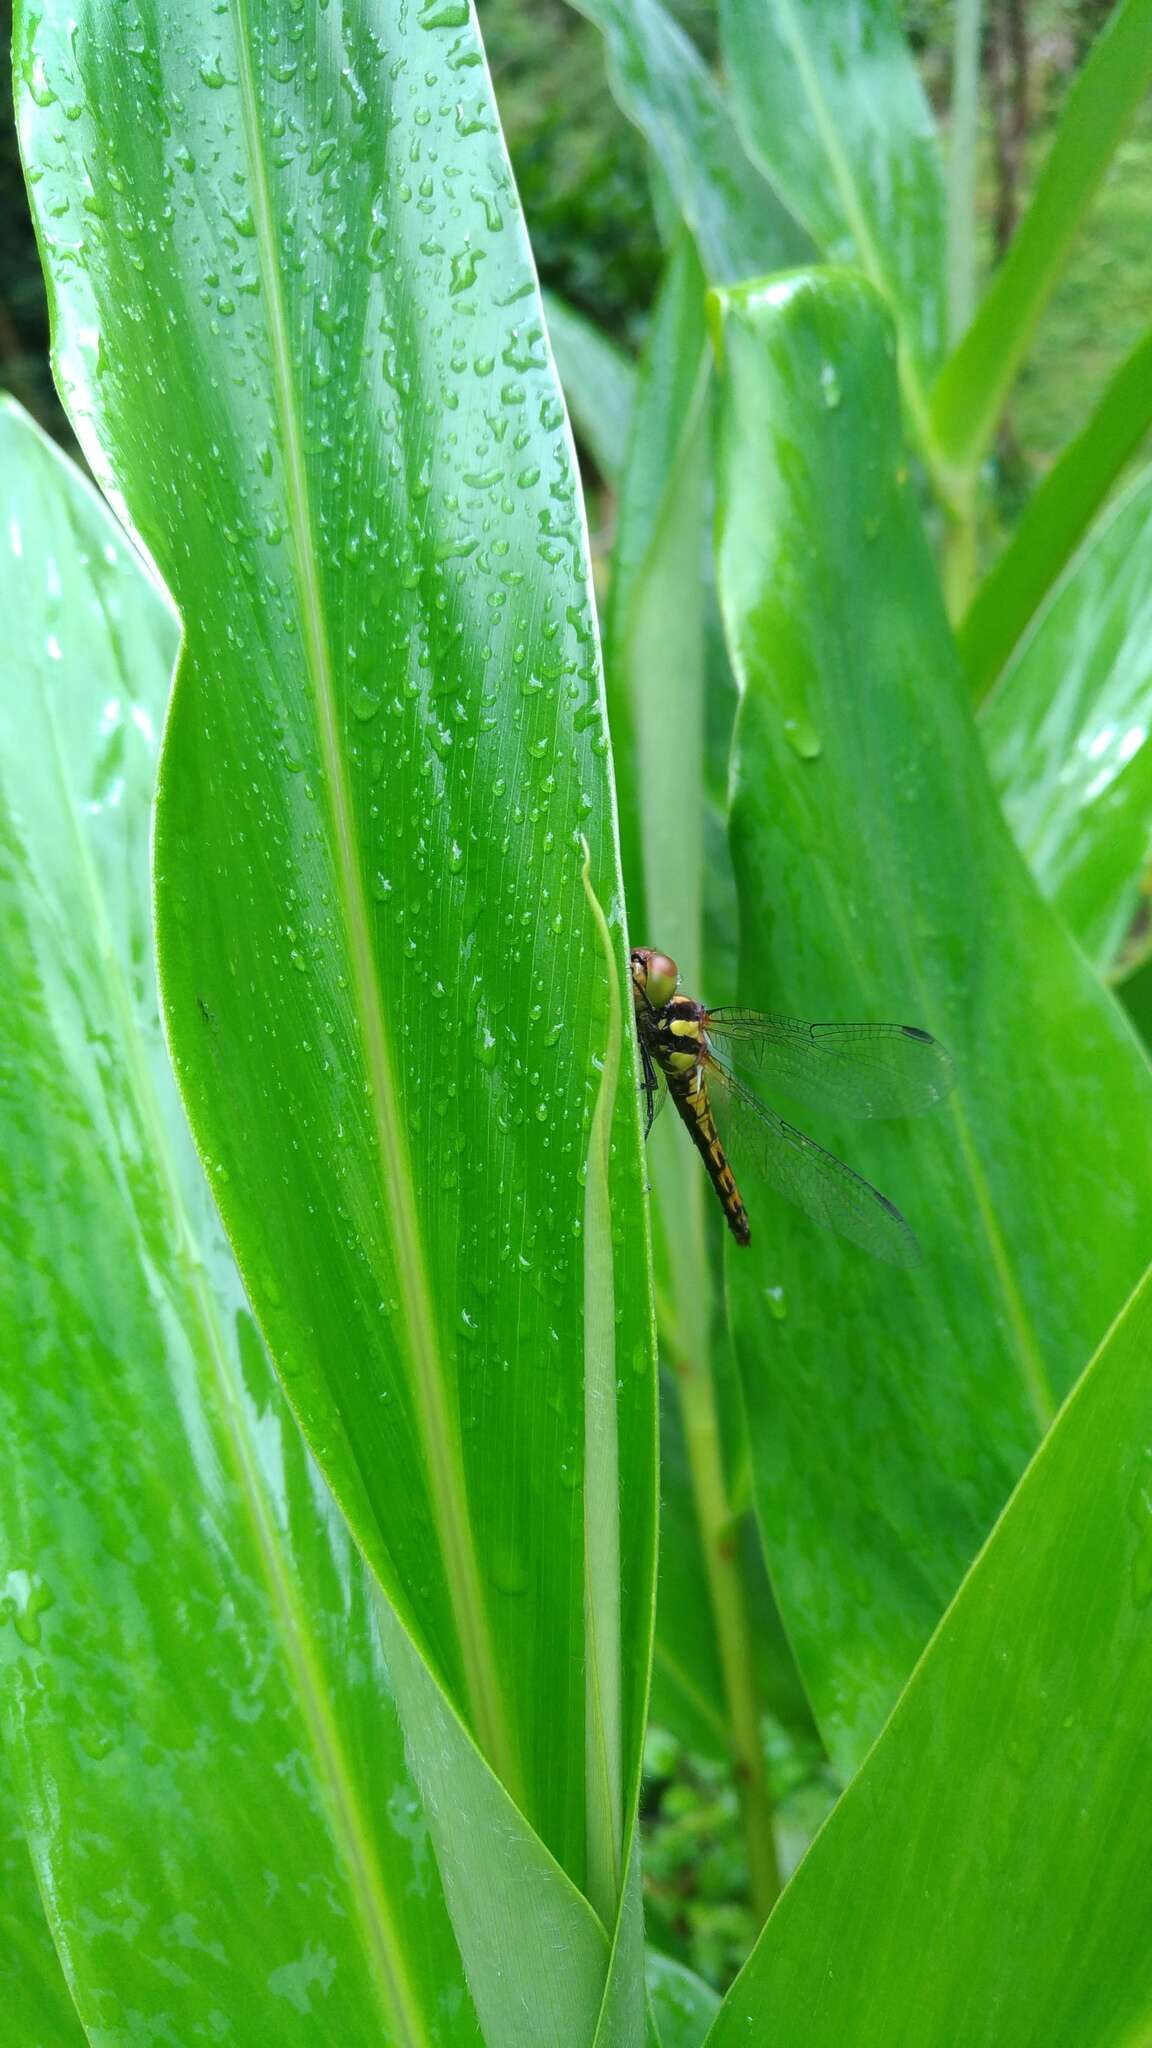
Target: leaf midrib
{"points": [[439, 1440]]}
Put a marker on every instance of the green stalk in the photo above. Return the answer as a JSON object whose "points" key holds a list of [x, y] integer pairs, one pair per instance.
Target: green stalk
{"points": [[684, 1339], [960, 563]]}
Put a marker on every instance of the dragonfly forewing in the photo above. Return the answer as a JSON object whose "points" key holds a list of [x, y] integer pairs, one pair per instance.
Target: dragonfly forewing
{"points": [[858, 1070]]}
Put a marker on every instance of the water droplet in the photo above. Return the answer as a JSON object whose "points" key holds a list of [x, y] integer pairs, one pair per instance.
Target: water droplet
{"points": [[465, 264], [364, 705], [777, 1303], [509, 1568], [802, 739], [23, 1599], [830, 386]]}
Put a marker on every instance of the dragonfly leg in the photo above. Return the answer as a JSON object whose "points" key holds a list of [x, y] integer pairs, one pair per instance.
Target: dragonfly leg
{"points": [[650, 1087]]}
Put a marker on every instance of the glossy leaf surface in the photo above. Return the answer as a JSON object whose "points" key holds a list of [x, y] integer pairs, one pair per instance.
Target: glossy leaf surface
{"points": [[830, 105], [39, 2012], [985, 1877], [1068, 732], [890, 1412], [381, 981], [194, 1703], [666, 89], [975, 382], [1056, 520]]}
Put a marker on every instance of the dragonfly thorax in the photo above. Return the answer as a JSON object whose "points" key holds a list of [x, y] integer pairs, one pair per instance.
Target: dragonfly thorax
{"points": [[678, 1035]]}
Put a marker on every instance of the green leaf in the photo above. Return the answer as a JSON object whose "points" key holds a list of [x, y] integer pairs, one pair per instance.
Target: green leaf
{"points": [[1055, 521], [1066, 732], [191, 1638], [381, 979], [662, 84], [889, 1411], [683, 2006], [599, 383], [985, 1878], [976, 380], [38, 2010], [829, 102]]}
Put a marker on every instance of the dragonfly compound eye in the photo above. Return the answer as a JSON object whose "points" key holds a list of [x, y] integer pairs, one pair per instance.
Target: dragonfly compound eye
{"points": [[662, 981]]}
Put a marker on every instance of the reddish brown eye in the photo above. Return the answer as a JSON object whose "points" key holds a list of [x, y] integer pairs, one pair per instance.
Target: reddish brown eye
{"points": [[663, 976]]}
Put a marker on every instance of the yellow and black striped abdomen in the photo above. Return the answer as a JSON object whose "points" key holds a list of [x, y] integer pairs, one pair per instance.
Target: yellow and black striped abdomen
{"points": [[690, 1094]]}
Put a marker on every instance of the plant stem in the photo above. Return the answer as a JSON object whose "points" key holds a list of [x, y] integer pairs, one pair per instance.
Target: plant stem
{"points": [[684, 1314], [960, 560], [730, 1621]]}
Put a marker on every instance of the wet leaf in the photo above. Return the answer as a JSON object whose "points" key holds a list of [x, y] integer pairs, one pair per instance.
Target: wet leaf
{"points": [[890, 1412], [380, 977], [195, 1707]]}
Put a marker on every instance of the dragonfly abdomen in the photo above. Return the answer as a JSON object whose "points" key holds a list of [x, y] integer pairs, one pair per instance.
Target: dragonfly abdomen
{"points": [[690, 1094]]}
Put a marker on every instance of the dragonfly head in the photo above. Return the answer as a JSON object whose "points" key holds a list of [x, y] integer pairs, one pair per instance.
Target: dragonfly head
{"points": [[654, 976]]}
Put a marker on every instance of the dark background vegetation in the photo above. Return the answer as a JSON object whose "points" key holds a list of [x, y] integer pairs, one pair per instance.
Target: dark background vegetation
{"points": [[583, 178]]}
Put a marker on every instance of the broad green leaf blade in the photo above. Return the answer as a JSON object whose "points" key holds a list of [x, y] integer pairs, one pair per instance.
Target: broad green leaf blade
{"points": [[985, 1879], [599, 385], [667, 91], [1056, 521], [683, 2006], [194, 1704], [381, 981], [39, 2012], [891, 1411], [977, 378], [829, 102], [1067, 733]]}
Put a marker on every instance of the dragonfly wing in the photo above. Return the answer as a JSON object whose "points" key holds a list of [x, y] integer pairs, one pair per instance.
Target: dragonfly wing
{"points": [[855, 1069], [762, 1145]]}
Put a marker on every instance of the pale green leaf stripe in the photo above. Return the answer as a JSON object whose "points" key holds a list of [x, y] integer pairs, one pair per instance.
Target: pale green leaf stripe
{"points": [[603, 1730], [976, 380]]}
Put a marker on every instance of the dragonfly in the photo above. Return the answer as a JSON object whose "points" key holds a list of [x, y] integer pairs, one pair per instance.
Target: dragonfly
{"points": [[858, 1070]]}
